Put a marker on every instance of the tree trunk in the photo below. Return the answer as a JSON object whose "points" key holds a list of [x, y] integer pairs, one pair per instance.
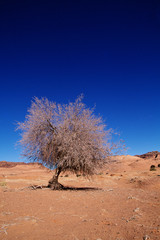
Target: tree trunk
{"points": [[53, 182]]}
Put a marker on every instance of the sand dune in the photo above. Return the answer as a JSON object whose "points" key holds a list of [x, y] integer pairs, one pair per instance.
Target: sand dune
{"points": [[121, 202]]}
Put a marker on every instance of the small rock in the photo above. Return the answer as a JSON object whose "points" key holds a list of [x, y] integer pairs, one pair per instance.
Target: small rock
{"points": [[136, 210], [146, 237]]}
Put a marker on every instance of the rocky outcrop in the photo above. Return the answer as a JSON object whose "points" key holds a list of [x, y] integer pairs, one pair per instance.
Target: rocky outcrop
{"points": [[153, 154]]}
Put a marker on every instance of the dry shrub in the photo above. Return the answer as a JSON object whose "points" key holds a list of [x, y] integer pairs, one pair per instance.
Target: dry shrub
{"points": [[67, 137]]}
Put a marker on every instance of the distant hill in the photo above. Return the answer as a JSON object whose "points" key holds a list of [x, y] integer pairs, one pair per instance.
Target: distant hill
{"points": [[6, 164], [153, 154]]}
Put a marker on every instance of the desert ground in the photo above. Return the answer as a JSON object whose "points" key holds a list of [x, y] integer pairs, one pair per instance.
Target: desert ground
{"points": [[121, 202]]}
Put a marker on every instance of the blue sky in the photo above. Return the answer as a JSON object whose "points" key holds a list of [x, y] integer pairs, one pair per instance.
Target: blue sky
{"points": [[107, 50]]}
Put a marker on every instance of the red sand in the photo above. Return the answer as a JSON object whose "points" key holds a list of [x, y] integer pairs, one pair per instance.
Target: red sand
{"points": [[122, 203]]}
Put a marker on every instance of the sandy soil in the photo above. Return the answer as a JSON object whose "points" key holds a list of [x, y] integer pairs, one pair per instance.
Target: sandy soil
{"points": [[122, 202]]}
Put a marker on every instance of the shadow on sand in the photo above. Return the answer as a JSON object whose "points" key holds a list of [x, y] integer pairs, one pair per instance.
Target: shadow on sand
{"points": [[81, 188], [64, 188]]}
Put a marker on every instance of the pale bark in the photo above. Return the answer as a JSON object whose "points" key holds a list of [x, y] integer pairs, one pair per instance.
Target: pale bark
{"points": [[53, 182]]}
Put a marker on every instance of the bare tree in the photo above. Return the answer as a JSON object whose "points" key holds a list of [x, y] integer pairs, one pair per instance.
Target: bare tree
{"points": [[67, 137]]}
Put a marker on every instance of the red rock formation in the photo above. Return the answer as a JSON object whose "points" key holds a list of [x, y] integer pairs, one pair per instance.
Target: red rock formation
{"points": [[153, 154]]}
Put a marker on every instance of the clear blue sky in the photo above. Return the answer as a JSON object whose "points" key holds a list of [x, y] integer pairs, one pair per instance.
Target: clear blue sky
{"points": [[108, 50]]}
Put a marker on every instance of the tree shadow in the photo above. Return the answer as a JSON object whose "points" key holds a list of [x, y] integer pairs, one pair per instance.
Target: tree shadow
{"points": [[67, 188]]}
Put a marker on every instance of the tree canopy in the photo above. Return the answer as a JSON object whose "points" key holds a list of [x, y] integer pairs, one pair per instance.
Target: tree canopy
{"points": [[68, 137]]}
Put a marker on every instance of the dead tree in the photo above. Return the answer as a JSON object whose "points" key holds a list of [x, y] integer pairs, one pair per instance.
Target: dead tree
{"points": [[65, 137]]}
